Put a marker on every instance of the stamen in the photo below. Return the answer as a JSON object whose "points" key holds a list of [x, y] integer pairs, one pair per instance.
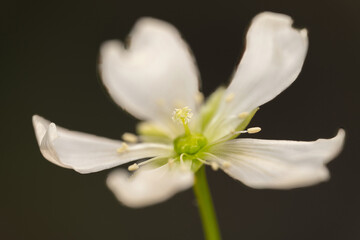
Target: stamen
{"points": [[182, 164], [253, 130], [214, 166], [229, 97], [136, 166], [226, 164], [148, 161], [249, 131], [243, 115], [171, 162], [233, 132], [133, 167], [124, 147], [130, 137], [199, 98], [214, 161], [203, 161], [182, 158]]}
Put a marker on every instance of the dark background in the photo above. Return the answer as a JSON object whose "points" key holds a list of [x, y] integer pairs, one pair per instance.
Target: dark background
{"points": [[48, 60]]}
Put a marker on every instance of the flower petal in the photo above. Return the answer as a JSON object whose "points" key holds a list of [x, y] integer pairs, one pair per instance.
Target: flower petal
{"points": [[87, 153], [148, 186], [278, 164], [273, 58], [275, 53], [154, 75]]}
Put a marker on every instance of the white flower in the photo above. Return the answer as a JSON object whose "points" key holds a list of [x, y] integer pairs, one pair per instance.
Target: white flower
{"points": [[156, 74]]}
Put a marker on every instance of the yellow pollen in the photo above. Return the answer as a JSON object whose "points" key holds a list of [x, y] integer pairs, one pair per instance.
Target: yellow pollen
{"points": [[226, 164], [123, 148], [243, 115], [229, 97], [253, 130], [130, 137], [133, 167], [182, 115]]}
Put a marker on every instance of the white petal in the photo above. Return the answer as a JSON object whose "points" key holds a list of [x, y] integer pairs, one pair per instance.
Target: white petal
{"points": [[273, 58], [87, 153], [274, 55], [279, 164], [148, 186], [154, 75]]}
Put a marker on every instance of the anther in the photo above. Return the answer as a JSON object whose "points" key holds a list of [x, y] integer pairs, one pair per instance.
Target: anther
{"points": [[229, 97], [243, 115], [226, 164], [249, 131], [182, 115], [133, 167], [253, 130], [123, 148], [130, 137], [199, 98], [214, 166]]}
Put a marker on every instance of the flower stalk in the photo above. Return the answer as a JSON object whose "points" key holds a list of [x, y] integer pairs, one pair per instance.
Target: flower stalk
{"points": [[205, 205]]}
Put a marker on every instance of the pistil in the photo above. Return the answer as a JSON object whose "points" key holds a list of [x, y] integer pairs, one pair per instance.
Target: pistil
{"points": [[183, 116]]}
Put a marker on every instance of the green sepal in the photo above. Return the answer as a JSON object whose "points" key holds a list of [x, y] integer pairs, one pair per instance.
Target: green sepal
{"points": [[245, 122], [151, 132], [210, 107]]}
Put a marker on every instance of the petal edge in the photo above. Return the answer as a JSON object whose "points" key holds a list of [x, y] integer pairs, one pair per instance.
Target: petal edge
{"points": [[86, 153], [278, 164]]}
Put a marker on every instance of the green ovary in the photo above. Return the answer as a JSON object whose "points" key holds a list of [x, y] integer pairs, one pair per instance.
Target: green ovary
{"points": [[189, 144]]}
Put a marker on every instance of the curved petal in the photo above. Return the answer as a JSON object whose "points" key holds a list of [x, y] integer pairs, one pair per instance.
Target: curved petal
{"points": [[273, 58], [148, 186], [87, 153], [278, 164], [154, 75]]}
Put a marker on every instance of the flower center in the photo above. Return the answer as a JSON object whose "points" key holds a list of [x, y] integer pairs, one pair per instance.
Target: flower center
{"points": [[188, 143]]}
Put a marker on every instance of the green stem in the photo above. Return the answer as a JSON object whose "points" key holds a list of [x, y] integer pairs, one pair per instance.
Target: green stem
{"points": [[205, 204]]}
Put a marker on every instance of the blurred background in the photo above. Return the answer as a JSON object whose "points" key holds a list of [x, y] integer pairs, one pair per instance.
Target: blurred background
{"points": [[48, 59]]}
